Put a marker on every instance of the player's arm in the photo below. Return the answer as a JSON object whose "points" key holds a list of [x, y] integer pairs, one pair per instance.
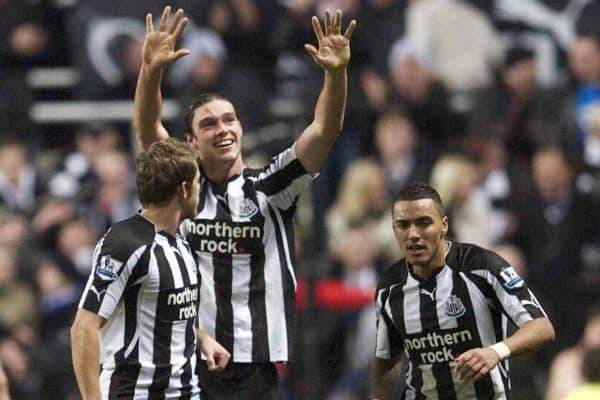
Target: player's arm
{"points": [[4, 389], [333, 54], [158, 53], [384, 374], [476, 363], [216, 355], [85, 351]]}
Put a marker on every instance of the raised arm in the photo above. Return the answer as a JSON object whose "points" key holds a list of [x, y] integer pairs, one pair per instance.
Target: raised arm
{"points": [[85, 351], [158, 52], [333, 54]]}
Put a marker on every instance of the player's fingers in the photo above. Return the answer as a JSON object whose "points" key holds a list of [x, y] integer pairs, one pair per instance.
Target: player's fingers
{"points": [[181, 53], [149, 24], [482, 372], [317, 28], [312, 50], [175, 21], [162, 25], [350, 29], [337, 22], [328, 26], [210, 362], [180, 27]]}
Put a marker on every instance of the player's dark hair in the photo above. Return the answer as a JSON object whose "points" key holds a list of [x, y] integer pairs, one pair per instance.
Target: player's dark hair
{"points": [[419, 191], [162, 168], [198, 101], [590, 369]]}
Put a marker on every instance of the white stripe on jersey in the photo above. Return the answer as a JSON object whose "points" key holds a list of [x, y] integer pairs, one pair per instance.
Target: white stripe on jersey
{"points": [[240, 302], [276, 323], [443, 291], [412, 306], [286, 246], [207, 313], [511, 303]]}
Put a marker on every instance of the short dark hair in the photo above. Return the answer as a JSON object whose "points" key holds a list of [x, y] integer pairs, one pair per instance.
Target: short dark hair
{"points": [[162, 168], [419, 191], [590, 369], [198, 101]]}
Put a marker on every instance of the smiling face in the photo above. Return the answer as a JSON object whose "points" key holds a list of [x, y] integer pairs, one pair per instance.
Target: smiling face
{"points": [[420, 228], [217, 135]]}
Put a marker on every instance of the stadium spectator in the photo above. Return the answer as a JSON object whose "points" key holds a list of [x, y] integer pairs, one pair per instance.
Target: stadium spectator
{"points": [[457, 179], [589, 390], [566, 372], [403, 156], [554, 214]]}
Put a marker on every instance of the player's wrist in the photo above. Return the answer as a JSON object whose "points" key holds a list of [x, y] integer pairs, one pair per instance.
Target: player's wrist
{"points": [[502, 350]]}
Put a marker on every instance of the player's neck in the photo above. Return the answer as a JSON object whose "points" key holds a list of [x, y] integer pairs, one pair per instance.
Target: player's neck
{"points": [[165, 218], [221, 172]]}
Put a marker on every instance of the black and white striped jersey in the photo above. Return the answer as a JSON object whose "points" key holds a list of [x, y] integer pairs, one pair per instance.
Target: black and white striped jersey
{"points": [[243, 239], [466, 305], [146, 285]]}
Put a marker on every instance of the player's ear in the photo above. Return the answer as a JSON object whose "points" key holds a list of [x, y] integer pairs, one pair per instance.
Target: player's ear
{"points": [[444, 226]]}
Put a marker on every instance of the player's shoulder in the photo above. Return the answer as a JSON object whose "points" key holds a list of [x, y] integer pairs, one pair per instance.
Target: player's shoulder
{"points": [[393, 274], [466, 257], [126, 236]]}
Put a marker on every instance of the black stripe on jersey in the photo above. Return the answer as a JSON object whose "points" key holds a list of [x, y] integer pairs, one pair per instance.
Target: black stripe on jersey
{"points": [[484, 387], [186, 376], [289, 297], [123, 381], [162, 330], [256, 296], [429, 323], [395, 339], [281, 179], [223, 265]]}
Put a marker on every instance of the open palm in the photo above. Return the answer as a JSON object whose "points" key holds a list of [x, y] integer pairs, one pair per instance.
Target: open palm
{"points": [[159, 45], [334, 48]]}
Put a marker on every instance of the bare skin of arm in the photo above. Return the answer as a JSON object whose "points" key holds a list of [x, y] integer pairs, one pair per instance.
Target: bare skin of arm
{"points": [[384, 374], [85, 351], [476, 363], [158, 52], [333, 55]]}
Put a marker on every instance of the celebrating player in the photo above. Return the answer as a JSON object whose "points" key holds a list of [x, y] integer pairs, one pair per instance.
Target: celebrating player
{"points": [[445, 307], [242, 234], [138, 313]]}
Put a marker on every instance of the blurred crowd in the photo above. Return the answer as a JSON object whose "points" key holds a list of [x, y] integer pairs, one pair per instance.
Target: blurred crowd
{"points": [[496, 103]]}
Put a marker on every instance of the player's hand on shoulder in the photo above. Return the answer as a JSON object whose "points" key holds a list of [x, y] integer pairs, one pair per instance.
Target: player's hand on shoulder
{"points": [[216, 355], [333, 52], [476, 363], [159, 44]]}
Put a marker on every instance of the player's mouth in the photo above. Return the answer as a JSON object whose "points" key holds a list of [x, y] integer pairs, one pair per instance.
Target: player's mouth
{"points": [[224, 143], [415, 249]]}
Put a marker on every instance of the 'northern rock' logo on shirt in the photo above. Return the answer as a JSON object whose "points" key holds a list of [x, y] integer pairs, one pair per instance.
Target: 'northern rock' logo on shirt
{"points": [[225, 237], [438, 347], [181, 303]]}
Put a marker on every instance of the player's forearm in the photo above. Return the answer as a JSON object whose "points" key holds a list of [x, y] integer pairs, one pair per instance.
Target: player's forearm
{"points": [[147, 107], [383, 380], [314, 144], [531, 336], [85, 348]]}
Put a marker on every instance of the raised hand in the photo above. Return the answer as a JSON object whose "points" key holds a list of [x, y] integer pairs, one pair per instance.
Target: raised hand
{"points": [[159, 45], [334, 48]]}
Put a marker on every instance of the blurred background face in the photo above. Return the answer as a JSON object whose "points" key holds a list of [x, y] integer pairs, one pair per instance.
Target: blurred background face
{"points": [[521, 78], [591, 334], [551, 174], [584, 60], [357, 250], [394, 139], [12, 160], [410, 78]]}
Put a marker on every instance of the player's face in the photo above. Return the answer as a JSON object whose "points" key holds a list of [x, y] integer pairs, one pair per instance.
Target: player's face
{"points": [[193, 198], [420, 229], [217, 133]]}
